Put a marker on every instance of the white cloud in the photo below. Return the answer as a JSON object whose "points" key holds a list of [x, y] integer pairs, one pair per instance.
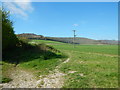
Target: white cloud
{"points": [[75, 25], [26, 5], [19, 8]]}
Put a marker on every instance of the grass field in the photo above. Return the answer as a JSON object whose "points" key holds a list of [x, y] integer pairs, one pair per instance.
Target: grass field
{"points": [[90, 66], [46, 41]]}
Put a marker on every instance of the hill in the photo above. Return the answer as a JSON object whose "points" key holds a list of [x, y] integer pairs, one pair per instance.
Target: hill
{"points": [[30, 36], [78, 40]]}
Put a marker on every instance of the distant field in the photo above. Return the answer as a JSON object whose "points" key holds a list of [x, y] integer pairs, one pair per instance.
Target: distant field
{"points": [[46, 41], [90, 66], [103, 49]]}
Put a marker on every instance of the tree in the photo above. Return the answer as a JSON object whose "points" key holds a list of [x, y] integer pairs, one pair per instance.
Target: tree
{"points": [[9, 39]]}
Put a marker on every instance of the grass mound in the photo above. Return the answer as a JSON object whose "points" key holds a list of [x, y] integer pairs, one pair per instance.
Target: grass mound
{"points": [[27, 52]]}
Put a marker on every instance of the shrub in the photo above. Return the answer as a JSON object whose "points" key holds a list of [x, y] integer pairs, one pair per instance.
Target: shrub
{"points": [[24, 39]]}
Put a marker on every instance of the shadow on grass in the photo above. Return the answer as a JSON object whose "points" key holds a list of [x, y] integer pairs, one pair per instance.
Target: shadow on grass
{"points": [[28, 52]]}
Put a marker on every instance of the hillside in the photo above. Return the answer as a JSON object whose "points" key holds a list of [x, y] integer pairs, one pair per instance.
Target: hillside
{"points": [[78, 40], [30, 36]]}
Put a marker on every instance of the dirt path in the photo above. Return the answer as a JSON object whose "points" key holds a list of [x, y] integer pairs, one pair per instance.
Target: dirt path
{"points": [[21, 79], [25, 79], [54, 80]]}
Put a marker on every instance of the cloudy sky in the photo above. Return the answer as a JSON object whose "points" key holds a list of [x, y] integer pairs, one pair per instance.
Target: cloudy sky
{"points": [[95, 20]]}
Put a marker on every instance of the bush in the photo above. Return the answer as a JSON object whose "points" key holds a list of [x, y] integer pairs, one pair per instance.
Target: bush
{"points": [[24, 39]]}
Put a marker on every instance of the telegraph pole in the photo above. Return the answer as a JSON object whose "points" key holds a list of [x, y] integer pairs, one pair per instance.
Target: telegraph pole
{"points": [[74, 38]]}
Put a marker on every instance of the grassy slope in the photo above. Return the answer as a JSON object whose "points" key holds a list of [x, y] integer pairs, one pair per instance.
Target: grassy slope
{"points": [[40, 66], [33, 60], [96, 66]]}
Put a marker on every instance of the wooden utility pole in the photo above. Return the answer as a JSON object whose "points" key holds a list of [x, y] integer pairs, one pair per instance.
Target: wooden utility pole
{"points": [[74, 38]]}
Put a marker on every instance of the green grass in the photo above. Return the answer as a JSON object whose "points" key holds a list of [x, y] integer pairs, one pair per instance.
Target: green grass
{"points": [[6, 71], [98, 71], [39, 59], [40, 66], [6, 79], [46, 42], [41, 63], [102, 49], [95, 66]]}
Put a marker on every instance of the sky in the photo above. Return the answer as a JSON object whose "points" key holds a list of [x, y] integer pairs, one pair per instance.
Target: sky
{"points": [[95, 20]]}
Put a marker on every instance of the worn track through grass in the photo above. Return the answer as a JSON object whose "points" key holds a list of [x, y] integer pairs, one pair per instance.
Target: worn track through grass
{"points": [[54, 80], [25, 79]]}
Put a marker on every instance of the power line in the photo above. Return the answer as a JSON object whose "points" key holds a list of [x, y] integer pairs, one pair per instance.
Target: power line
{"points": [[74, 38]]}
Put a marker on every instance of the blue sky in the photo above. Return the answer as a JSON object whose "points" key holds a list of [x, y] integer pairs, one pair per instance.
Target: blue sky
{"points": [[95, 20]]}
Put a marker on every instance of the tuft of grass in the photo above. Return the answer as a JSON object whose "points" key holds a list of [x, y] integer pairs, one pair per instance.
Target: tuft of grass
{"points": [[40, 84], [6, 79]]}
